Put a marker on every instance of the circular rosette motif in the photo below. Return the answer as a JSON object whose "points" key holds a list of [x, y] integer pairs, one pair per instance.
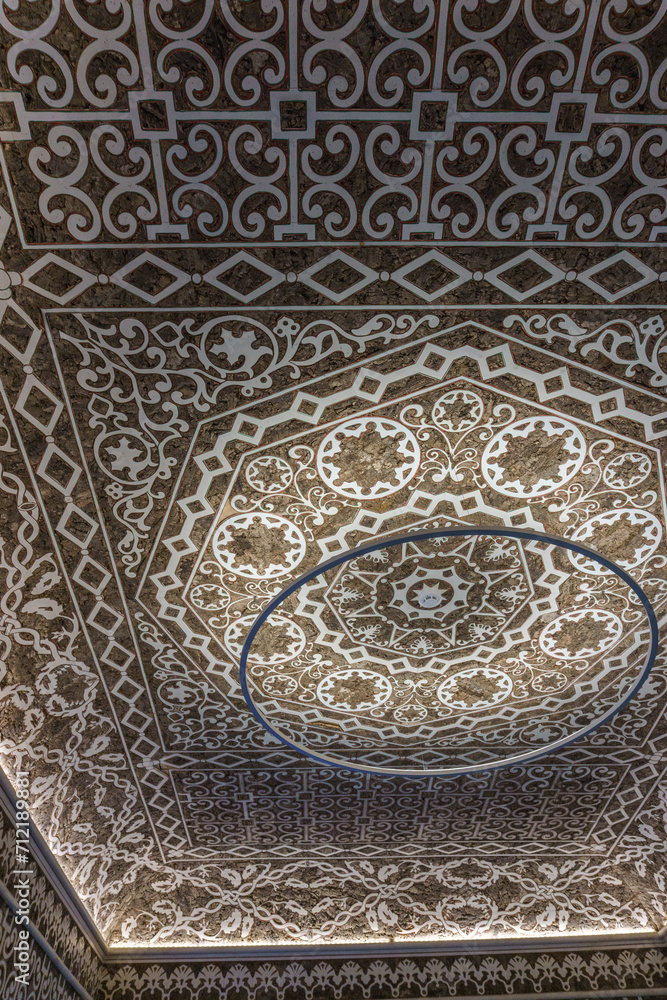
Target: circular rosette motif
{"points": [[581, 634], [533, 456], [475, 689], [258, 545], [445, 599], [628, 536], [181, 692], [125, 456], [281, 640], [368, 458], [458, 410], [627, 471], [446, 651], [354, 690], [269, 474], [209, 597], [549, 681]]}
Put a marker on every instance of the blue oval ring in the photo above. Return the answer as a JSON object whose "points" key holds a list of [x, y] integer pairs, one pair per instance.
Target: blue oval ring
{"points": [[525, 756]]}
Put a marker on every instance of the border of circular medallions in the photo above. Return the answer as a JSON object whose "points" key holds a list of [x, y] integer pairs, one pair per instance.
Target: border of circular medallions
{"points": [[524, 756]]}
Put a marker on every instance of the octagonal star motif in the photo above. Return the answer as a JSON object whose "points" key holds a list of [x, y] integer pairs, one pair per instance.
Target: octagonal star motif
{"points": [[386, 652], [454, 600], [411, 688]]}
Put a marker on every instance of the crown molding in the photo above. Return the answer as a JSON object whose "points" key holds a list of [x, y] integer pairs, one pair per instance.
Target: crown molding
{"points": [[389, 949]]}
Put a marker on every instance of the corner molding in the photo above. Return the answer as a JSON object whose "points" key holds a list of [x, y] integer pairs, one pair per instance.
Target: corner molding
{"points": [[389, 949], [44, 857]]}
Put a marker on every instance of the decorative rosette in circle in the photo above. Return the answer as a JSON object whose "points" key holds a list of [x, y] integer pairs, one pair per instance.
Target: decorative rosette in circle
{"points": [[452, 650]]}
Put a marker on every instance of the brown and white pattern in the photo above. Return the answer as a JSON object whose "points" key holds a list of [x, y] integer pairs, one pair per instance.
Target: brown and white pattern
{"points": [[168, 394], [140, 125], [221, 122], [195, 714], [361, 633], [524, 976]]}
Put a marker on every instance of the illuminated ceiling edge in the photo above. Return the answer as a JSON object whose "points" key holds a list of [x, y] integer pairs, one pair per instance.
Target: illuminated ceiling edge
{"points": [[395, 949], [389, 949]]}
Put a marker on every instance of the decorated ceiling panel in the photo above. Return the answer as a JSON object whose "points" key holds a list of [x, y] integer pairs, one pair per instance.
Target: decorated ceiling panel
{"points": [[228, 356], [333, 121]]}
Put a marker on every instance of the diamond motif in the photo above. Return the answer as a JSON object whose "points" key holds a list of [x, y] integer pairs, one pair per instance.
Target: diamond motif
{"points": [[76, 526], [235, 154], [91, 575], [367, 276], [555, 275], [179, 278], [104, 618], [273, 277], [18, 334], [86, 279], [153, 779], [43, 410], [64, 474], [136, 720], [117, 656], [462, 275], [128, 690], [647, 276]]}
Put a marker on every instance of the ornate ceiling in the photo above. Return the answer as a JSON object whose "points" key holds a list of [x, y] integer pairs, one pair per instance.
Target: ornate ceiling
{"points": [[281, 279]]}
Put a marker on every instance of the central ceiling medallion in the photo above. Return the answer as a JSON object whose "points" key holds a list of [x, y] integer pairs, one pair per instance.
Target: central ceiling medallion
{"points": [[482, 606], [447, 651]]}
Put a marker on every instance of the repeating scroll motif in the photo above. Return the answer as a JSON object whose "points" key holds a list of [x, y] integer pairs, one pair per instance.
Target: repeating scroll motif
{"points": [[213, 123], [557, 807], [504, 121]]}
